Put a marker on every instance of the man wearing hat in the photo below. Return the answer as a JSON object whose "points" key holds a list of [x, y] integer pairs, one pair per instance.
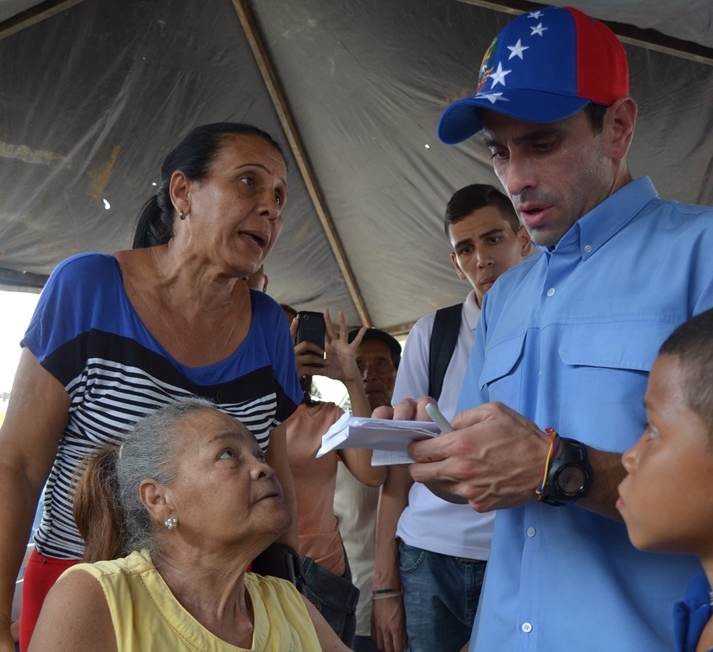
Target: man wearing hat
{"points": [[355, 504], [378, 358], [553, 393]]}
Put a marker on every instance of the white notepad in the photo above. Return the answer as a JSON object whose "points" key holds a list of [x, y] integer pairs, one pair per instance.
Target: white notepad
{"points": [[389, 439]]}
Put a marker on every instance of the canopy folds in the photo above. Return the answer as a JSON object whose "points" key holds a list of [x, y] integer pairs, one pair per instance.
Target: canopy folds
{"points": [[93, 97]]}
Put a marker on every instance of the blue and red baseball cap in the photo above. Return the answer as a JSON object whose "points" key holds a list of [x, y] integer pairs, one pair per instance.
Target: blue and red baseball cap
{"points": [[543, 66]]}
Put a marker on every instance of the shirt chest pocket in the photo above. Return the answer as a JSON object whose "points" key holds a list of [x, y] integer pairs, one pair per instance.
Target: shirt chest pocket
{"points": [[502, 370], [588, 377], [604, 377]]}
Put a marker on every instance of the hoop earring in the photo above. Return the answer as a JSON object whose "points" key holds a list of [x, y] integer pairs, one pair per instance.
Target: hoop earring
{"points": [[171, 523]]}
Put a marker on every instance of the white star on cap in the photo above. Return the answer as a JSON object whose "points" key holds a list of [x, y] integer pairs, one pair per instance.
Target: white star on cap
{"points": [[493, 97], [517, 49], [498, 76], [538, 30], [534, 14]]}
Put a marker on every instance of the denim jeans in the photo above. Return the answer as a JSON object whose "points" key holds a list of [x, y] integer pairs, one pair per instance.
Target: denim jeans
{"points": [[441, 596]]}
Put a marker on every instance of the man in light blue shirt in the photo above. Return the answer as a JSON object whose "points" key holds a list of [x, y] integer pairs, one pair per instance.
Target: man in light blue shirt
{"points": [[564, 345]]}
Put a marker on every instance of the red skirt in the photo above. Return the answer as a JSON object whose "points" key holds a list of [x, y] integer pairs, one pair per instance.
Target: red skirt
{"points": [[40, 574]]}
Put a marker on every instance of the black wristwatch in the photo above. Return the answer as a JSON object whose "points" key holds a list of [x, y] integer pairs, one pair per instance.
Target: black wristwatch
{"points": [[570, 474]]}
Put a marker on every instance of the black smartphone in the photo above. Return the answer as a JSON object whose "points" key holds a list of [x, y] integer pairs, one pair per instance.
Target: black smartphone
{"points": [[310, 328]]}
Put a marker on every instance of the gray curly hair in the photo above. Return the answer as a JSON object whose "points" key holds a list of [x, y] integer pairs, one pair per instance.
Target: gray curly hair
{"points": [[149, 452]]}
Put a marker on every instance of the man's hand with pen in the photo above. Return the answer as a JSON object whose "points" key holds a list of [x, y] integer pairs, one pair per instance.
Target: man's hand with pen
{"points": [[493, 458]]}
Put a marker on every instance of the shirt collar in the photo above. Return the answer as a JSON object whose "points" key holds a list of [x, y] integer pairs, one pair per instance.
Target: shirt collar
{"points": [[605, 220], [471, 310]]}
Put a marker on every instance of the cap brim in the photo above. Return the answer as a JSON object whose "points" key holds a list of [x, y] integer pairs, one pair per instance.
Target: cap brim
{"points": [[462, 119]]}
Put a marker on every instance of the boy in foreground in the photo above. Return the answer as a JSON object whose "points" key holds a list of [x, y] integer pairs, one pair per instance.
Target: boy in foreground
{"points": [[665, 499]]}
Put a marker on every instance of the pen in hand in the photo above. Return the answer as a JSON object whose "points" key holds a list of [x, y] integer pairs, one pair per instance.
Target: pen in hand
{"points": [[433, 485], [438, 418]]}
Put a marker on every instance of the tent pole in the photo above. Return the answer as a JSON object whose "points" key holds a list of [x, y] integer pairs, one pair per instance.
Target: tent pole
{"points": [[34, 15], [278, 99], [23, 281]]}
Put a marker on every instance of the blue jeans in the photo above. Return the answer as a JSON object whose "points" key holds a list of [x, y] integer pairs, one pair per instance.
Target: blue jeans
{"points": [[441, 596]]}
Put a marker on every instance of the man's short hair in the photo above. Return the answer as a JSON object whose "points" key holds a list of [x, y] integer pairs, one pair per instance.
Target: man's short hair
{"points": [[692, 343], [595, 113], [381, 336], [477, 196]]}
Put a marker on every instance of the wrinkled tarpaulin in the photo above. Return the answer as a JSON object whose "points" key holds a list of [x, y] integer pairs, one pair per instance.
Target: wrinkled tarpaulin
{"points": [[93, 97]]}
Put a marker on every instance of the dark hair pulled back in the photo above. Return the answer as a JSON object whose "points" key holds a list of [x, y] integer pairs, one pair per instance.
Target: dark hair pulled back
{"points": [[193, 156]]}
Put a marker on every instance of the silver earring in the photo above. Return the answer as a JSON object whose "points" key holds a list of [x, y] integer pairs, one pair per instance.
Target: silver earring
{"points": [[171, 523], [182, 215]]}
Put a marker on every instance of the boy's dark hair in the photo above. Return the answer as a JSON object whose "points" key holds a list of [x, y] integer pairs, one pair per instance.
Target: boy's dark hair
{"points": [[692, 343], [477, 196]]}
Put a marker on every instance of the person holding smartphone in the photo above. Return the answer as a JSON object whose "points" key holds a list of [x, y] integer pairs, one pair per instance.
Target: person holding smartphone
{"points": [[319, 350]]}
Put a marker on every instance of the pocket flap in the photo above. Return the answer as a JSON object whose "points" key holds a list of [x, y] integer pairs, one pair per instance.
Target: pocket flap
{"points": [[618, 345], [500, 359]]}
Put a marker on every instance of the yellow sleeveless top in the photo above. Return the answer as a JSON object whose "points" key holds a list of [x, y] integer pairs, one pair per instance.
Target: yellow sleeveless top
{"points": [[146, 615]]}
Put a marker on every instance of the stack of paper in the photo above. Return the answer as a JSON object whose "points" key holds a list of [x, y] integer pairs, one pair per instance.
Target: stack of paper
{"points": [[389, 439]]}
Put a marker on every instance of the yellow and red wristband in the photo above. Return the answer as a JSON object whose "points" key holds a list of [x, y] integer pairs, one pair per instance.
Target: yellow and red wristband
{"points": [[551, 455]]}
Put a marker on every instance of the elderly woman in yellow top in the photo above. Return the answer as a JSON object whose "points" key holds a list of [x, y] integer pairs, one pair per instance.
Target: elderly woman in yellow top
{"points": [[198, 502], [115, 337]]}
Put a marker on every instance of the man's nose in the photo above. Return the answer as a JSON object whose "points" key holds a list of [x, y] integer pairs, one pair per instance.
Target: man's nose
{"points": [[483, 257], [368, 372], [519, 174]]}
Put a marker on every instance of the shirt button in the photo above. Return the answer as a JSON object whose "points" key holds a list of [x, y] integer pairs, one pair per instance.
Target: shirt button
{"points": [[526, 627], [550, 292], [587, 248], [531, 531]]}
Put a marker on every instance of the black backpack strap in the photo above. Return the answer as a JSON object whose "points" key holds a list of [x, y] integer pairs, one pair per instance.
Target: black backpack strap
{"points": [[444, 338]]}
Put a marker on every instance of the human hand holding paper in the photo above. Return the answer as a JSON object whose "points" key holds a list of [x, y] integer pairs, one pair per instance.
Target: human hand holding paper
{"points": [[377, 434]]}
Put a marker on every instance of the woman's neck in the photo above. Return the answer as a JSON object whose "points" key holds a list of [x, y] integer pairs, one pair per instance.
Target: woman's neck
{"points": [[189, 282], [199, 316], [212, 589]]}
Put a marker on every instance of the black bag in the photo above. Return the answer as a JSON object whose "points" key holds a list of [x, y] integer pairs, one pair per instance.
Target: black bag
{"points": [[334, 596], [279, 560], [444, 338]]}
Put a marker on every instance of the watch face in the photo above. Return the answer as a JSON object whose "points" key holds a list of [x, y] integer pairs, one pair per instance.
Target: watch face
{"points": [[570, 480]]}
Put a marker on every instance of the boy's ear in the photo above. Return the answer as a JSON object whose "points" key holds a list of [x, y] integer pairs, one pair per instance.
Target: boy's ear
{"points": [[459, 271]]}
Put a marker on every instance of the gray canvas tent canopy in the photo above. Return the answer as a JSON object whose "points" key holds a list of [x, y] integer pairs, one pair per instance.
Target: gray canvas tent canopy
{"points": [[94, 93]]}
